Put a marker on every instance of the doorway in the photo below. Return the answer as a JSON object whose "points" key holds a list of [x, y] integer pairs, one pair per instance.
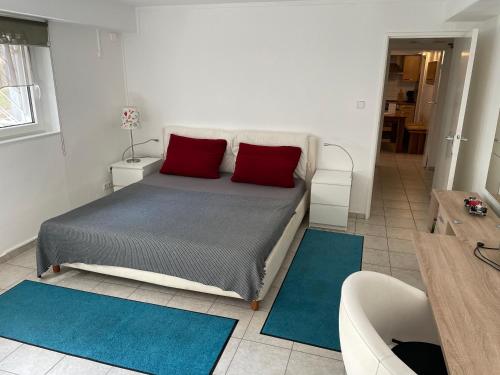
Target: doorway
{"points": [[414, 71], [422, 111], [424, 101]]}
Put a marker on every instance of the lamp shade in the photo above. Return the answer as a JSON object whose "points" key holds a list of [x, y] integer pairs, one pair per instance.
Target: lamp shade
{"points": [[130, 118]]}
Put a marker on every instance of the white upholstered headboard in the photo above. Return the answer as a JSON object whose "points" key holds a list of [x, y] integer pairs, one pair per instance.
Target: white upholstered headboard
{"points": [[308, 144]]}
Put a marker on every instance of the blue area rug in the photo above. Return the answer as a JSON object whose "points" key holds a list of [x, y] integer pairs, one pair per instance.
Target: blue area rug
{"points": [[133, 335], [306, 309]]}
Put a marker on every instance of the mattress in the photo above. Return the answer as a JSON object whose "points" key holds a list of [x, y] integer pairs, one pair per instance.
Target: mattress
{"points": [[214, 232]]}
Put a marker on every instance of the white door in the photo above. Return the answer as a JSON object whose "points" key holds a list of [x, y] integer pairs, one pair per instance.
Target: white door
{"points": [[455, 103], [429, 112], [493, 179]]}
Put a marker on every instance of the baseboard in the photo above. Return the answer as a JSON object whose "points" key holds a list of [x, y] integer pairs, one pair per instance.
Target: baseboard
{"points": [[357, 215], [18, 249]]}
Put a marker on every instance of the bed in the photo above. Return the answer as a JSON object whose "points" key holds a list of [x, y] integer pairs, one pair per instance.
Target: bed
{"points": [[211, 236]]}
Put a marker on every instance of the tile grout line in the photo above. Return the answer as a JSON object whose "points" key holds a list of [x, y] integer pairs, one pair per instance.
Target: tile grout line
{"points": [[317, 355], [12, 352], [8, 354], [55, 364], [290, 349], [135, 289], [288, 360], [17, 265], [213, 302], [246, 329], [234, 355], [10, 372], [172, 292]]}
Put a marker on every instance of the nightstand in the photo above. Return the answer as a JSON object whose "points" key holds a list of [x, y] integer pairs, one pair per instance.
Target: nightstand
{"points": [[124, 173], [330, 194]]}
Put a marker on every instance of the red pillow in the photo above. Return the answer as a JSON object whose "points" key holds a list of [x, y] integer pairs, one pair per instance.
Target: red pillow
{"points": [[194, 157], [266, 165]]}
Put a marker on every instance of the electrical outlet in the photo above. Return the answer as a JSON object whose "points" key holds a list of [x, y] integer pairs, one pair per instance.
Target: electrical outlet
{"points": [[107, 186]]}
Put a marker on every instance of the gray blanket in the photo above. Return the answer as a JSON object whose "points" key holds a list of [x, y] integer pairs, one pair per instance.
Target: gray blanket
{"points": [[212, 238]]}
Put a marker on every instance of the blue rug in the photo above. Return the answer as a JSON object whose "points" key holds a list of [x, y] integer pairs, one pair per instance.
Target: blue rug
{"points": [[133, 335], [306, 309]]}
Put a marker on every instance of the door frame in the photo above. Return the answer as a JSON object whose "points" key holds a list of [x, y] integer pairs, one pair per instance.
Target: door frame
{"points": [[381, 86]]}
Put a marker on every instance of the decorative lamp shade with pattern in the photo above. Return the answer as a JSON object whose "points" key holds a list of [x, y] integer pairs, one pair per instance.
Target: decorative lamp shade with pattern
{"points": [[130, 118], [130, 121]]}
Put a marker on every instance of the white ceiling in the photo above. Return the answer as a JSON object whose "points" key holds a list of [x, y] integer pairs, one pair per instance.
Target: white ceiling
{"points": [[478, 10], [139, 3]]}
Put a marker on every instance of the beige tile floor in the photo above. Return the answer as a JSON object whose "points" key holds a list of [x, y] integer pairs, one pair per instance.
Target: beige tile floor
{"points": [[400, 195]]}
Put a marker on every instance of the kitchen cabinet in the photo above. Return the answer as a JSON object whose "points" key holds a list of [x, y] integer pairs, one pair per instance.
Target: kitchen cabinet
{"points": [[411, 68]]}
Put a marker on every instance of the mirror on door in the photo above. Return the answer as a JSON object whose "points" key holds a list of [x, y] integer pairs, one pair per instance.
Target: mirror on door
{"points": [[493, 180]]}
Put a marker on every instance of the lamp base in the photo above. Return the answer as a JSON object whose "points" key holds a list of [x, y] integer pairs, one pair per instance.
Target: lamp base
{"points": [[133, 160]]}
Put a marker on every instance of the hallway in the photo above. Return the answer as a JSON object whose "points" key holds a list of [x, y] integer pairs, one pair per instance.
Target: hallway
{"points": [[399, 208]]}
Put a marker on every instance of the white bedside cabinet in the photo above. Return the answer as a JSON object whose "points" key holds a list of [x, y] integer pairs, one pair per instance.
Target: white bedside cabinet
{"points": [[330, 193], [124, 173]]}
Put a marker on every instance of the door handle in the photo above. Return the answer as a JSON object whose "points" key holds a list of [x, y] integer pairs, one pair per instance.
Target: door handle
{"points": [[451, 138]]}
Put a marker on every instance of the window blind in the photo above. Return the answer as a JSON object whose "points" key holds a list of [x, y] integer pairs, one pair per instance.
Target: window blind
{"points": [[16, 31]]}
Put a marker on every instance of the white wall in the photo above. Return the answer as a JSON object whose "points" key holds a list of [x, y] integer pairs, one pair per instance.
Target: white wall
{"points": [[454, 8], [482, 114], [91, 94], [288, 66], [107, 14], [37, 181]]}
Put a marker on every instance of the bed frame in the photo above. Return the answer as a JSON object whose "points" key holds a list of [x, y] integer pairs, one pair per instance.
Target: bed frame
{"points": [[305, 170]]}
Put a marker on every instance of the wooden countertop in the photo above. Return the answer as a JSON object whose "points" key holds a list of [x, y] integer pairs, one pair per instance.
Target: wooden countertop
{"points": [[468, 227], [394, 115], [465, 297]]}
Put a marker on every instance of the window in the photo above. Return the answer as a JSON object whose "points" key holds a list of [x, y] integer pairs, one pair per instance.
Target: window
{"points": [[28, 104], [16, 103]]}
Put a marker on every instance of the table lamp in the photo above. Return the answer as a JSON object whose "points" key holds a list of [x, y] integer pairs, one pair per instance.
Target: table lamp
{"points": [[130, 121]]}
